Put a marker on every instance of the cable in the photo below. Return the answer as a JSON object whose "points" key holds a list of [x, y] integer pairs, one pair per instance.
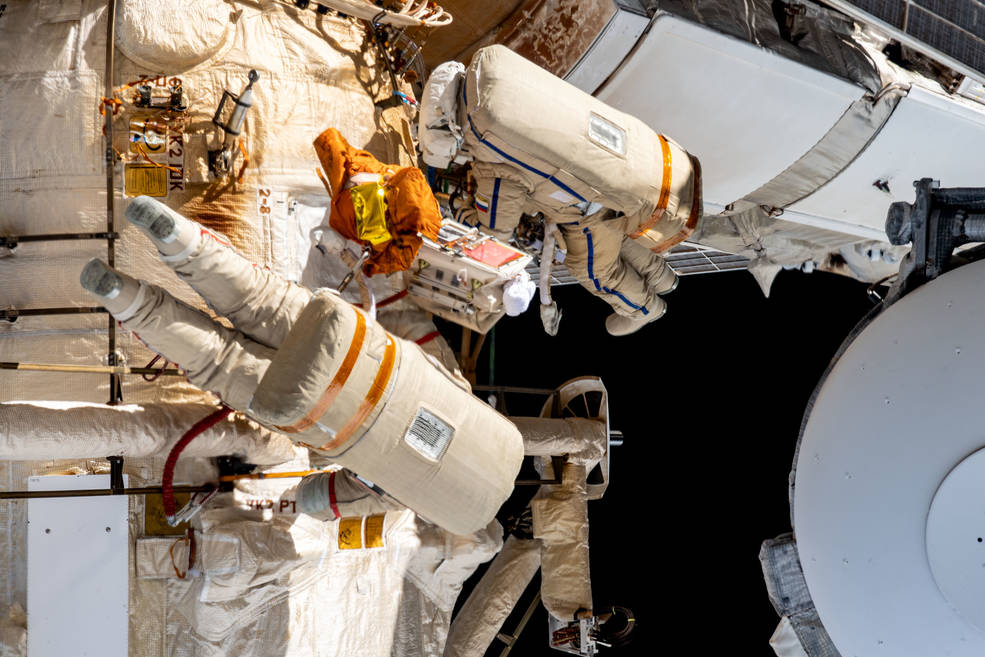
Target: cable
{"points": [[167, 480]]}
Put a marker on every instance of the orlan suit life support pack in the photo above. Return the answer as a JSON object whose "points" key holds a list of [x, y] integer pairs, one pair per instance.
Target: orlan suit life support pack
{"points": [[380, 406], [570, 150]]}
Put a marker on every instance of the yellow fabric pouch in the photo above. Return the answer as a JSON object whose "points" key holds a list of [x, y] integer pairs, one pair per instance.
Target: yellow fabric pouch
{"points": [[369, 202]]}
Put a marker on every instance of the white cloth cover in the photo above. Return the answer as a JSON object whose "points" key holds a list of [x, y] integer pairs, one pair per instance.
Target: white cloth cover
{"points": [[287, 586], [493, 598], [785, 642], [560, 522], [439, 132], [173, 35], [13, 633], [517, 293], [158, 557]]}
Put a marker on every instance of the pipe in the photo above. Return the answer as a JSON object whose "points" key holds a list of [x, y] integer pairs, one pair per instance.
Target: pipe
{"points": [[11, 241], [97, 492], [582, 440], [11, 314], [547, 262], [115, 384], [114, 370], [44, 430]]}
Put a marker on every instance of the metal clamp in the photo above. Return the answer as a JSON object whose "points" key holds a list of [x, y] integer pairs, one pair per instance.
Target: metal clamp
{"points": [[190, 510]]}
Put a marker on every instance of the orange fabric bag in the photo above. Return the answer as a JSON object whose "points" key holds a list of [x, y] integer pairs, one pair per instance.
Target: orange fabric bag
{"points": [[411, 207]]}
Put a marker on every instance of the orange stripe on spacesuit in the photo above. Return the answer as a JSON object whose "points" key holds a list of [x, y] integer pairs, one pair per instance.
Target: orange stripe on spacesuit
{"points": [[338, 381], [697, 208], [373, 397], [658, 212]]}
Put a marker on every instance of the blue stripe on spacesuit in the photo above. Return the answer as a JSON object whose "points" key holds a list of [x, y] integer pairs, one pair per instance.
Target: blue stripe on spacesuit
{"points": [[513, 159], [460, 219], [599, 286], [495, 202]]}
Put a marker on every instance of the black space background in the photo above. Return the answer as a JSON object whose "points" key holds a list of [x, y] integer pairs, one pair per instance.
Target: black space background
{"points": [[710, 399]]}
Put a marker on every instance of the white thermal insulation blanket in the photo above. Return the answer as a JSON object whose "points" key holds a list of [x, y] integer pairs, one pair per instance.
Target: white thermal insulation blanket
{"points": [[440, 134], [65, 430], [582, 441], [493, 598], [315, 72], [364, 591]]}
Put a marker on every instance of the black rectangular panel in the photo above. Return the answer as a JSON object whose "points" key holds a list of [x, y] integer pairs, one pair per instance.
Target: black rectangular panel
{"points": [[955, 28], [888, 11], [938, 33], [965, 14]]}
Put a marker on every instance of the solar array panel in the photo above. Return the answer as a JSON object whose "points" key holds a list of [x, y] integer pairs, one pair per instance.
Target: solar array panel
{"points": [[955, 28], [685, 259]]}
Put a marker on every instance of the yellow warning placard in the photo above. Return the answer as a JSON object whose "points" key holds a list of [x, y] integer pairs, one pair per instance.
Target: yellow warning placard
{"points": [[350, 533], [374, 531], [145, 180]]}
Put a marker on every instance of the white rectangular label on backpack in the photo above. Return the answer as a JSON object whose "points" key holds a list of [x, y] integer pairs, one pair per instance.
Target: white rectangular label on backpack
{"points": [[563, 197], [429, 435], [607, 134]]}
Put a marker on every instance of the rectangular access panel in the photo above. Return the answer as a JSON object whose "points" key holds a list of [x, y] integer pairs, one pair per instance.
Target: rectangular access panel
{"points": [[77, 570]]}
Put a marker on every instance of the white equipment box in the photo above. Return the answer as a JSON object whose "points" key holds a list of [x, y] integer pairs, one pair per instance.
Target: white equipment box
{"points": [[460, 276]]}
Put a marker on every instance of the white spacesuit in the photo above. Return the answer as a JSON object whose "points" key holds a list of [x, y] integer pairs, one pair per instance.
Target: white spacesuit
{"points": [[619, 192], [316, 368]]}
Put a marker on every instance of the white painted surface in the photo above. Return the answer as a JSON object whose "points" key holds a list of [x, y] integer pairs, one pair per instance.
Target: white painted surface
{"points": [[927, 136], [956, 538], [747, 113], [77, 571], [899, 410], [608, 50], [970, 88], [861, 231]]}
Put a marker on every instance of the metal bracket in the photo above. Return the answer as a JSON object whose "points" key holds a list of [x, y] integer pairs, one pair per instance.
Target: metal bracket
{"points": [[936, 223], [116, 475]]}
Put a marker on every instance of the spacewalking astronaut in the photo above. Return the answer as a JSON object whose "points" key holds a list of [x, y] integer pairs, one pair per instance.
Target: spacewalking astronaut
{"points": [[358, 394], [619, 192]]}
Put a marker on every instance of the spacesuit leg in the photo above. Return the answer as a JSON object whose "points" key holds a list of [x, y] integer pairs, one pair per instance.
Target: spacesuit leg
{"points": [[659, 276], [214, 358], [256, 301], [499, 201], [594, 257]]}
